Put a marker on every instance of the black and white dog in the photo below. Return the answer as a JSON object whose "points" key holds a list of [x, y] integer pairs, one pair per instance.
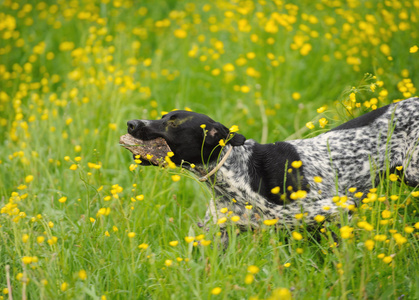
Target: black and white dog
{"points": [[287, 180]]}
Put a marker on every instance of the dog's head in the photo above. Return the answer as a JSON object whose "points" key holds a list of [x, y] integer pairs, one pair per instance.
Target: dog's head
{"points": [[192, 137]]}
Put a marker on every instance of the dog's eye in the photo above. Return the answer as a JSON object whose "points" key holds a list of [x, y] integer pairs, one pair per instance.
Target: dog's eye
{"points": [[172, 123], [172, 117]]}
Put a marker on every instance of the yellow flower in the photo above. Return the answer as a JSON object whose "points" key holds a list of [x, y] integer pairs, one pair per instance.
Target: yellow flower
{"points": [[287, 265], [25, 238], [305, 49], [143, 246], [298, 195], [28, 178], [296, 96], [369, 244], [64, 286], [216, 291], [352, 190], [380, 237], [321, 109], [245, 89], [222, 220], [323, 122], [234, 128], [62, 199], [415, 194], [387, 259], [317, 179], [27, 260], [82, 275], [253, 269], [310, 125], [73, 167], [275, 190], [53, 240], [205, 242], [131, 234], [296, 164], [228, 67], [282, 294], [393, 177], [168, 262], [237, 218], [352, 97], [222, 143], [297, 236], [270, 222], [400, 240], [299, 216], [50, 224], [224, 210], [189, 239], [346, 232], [249, 207], [40, 239], [319, 218], [409, 229], [68, 121], [173, 243], [386, 214], [359, 194], [203, 126], [249, 279], [175, 178], [180, 33], [414, 49]]}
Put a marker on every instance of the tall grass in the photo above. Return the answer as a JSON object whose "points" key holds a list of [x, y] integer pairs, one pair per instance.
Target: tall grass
{"points": [[78, 220]]}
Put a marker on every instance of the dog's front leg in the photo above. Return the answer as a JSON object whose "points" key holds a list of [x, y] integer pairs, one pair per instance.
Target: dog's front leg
{"points": [[213, 214], [210, 213]]}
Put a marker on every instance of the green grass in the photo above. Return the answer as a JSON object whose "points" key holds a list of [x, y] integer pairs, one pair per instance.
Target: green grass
{"points": [[72, 73]]}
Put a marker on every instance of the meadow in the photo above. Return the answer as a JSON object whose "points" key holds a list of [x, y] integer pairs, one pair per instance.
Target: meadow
{"points": [[80, 220]]}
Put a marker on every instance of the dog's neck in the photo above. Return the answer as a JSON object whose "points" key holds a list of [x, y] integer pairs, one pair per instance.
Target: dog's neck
{"points": [[207, 172], [218, 166]]}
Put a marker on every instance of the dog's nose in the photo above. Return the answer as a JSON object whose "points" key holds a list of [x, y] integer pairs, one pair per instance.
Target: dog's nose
{"points": [[133, 125]]}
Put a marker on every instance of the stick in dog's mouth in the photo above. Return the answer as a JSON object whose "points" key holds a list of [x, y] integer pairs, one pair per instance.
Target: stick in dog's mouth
{"points": [[156, 148]]}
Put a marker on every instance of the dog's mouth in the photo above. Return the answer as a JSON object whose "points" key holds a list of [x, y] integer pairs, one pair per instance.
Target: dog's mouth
{"points": [[151, 152]]}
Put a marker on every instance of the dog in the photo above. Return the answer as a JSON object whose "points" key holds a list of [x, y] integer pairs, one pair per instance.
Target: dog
{"points": [[289, 182]]}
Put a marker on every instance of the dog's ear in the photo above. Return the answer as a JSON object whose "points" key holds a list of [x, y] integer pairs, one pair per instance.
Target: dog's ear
{"points": [[237, 139], [217, 131]]}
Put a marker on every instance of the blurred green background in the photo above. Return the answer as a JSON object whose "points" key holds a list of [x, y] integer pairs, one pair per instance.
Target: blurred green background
{"points": [[73, 72]]}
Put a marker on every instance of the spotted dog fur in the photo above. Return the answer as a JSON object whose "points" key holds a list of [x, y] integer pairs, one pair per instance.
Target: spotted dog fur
{"points": [[354, 154]]}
